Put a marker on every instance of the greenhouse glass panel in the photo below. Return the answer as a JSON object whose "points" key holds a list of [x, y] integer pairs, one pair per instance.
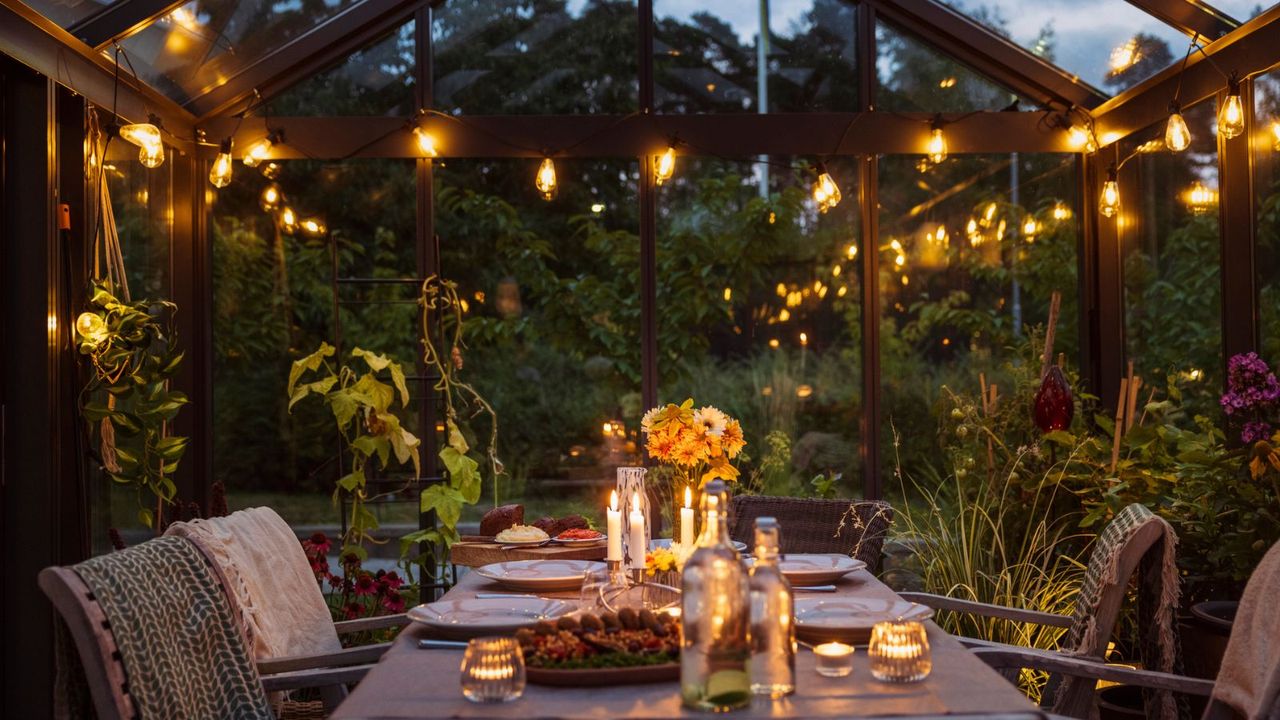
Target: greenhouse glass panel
{"points": [[535, 57], [1112, 55], [551, 309], [914, 77], [707, 56], [1241, 10], [68, 12], [759, 305], [971, 252], [205, 43], [377, 80], [1266, 182], [1172, 261]]}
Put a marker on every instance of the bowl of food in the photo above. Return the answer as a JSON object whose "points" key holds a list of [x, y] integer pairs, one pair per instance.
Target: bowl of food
{"points": [[580, 536], [521, 535]]}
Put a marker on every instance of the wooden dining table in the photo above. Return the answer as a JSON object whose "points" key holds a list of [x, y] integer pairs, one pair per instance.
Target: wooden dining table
{"points": [[411, 682]]}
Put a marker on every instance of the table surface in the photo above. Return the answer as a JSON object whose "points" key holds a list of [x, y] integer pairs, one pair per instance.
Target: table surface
{"points": [[410, 682]]}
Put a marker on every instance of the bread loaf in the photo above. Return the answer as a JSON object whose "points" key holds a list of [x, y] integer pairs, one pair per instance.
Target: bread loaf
{"points": [[501, 518]]}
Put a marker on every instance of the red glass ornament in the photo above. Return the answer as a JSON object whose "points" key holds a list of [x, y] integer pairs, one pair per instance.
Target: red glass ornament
{"points": [[1054, 407]]}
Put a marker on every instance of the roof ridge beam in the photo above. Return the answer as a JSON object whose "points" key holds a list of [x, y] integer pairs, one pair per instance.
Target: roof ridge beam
{"points": [[991, 54], [1189, 17]]}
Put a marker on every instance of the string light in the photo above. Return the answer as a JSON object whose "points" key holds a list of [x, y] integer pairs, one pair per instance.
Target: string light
{"points": [[1177, 137], [546, 179], [1081, 139], [1231, 119], [665, 166], [150, 144], [825, 191], [1061, 212], [271, 170], [313, 227], [260, 149], [220, 171], [851, 252], [1109, 203], [1200, 198], [426, 142], [937, 146], [1275, 135], [1030, 229], [288, 220], [270, 198]]}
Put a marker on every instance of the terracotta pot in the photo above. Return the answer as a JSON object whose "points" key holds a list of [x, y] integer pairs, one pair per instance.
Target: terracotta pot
{"points": [[1120, 702], [1204, 636]]}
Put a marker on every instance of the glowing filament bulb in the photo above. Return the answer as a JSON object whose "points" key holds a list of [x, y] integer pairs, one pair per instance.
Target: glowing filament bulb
{"points": [[665, 166], [1177, 137], [1109, 203], [1030, 228], [1081, 139], [288, 220], [1275, 135], [258, 151], [1231, 118], [426, 142], [150, 145], [312, 227], [852, 251], [220, 171], [270, 198], [546, 179], [1200, 198], [936, 149], [826, 194]]}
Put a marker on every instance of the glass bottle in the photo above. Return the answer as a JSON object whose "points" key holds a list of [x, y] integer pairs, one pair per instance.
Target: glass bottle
{"points": [[714, 613], [773, 632]]}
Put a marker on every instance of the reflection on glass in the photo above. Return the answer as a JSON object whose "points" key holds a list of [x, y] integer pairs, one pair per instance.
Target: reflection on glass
{"points": [[707, 56], [1169, 234], [68, 12], [916, 78], [1266, 182], [377, 80], [1109, 44], [759, 312], [971, 252], [552, 321], [512, 56]]}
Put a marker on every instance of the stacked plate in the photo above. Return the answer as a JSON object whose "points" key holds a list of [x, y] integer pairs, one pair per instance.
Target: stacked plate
{"points": [[471, 617], [850, 619], [540, 575]]}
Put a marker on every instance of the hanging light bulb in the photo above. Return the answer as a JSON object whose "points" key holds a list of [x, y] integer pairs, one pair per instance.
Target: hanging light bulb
{"points": [[1030, 229], [150, 144], [288, 220], [1177, 137], [937, 147], [1200, 198], [1231, 118], [825, 191], [665, 166], [220, 172], [258, 151], [271, 170], [426, 142], [1275, 135], [1109, 203], [313, 227], [1081, 139], [546, 179], [270, 199]]}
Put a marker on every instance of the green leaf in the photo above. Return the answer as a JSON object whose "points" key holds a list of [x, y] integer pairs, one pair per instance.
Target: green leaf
{"points": [[352, 481], [127, 459], [397, 378], [344, 405], [379, 393], [372, 445], [145, 517], [171, 448], [445, 501], [95, 411], [319, 387], [376, 362], [310, 362], [464, 474]]}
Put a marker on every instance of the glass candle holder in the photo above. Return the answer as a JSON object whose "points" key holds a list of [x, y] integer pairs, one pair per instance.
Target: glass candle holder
{"points": [[835, 659], [493, 670], [899, 652]]}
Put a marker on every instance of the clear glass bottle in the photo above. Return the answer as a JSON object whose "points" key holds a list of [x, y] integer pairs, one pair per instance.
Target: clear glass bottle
{"points": [[773, 632], [714, 615]]}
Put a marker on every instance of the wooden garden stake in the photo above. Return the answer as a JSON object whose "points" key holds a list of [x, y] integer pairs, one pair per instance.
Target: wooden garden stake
{"points": [[1134, 384], [1055, 304], [1150, 396], [1115, 435]]}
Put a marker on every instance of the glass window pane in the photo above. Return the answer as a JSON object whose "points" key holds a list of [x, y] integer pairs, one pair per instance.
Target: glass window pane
{"points": [[202, 44], [1242, 10], [68, 12], [377, 80], [1171, 246], [706, 56], [1110, 44], [552, 322], [1266, 180], [535, 56], [916, 78], [759, 315], [964, 285]]}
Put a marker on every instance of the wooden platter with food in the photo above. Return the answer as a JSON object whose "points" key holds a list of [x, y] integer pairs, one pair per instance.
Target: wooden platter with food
{"points": [[623, 648]]}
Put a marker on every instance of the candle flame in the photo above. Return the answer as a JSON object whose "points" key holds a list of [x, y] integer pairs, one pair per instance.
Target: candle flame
{"points": [[688, 496], [635, 501], [613, 501]]}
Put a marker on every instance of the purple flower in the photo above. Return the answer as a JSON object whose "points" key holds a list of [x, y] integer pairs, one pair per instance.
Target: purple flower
{"points": [[1255, 431]]}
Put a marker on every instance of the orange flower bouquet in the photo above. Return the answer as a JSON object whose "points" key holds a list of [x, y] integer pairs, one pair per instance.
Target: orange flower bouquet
{"points": [[699, 445]]}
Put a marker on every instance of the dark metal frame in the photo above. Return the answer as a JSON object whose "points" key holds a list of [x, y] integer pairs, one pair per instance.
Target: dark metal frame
{"points": [[1190, 17], [121, 19]]}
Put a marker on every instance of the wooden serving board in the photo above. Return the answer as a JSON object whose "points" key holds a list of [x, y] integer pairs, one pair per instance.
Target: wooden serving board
{"points": [[598, 677], [474, 551]]}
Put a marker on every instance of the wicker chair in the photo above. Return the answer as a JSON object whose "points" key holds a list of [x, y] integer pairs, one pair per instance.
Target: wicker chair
{"points": [[817, 526]]}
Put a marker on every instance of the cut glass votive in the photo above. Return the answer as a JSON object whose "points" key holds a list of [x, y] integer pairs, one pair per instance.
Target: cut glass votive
{"points": [[899, 652], [835, 659], [493, 670]]}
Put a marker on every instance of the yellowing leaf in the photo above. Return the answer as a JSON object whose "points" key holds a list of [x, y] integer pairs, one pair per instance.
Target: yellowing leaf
{"points": [[376, 362], [310, 362], [319, 387]]}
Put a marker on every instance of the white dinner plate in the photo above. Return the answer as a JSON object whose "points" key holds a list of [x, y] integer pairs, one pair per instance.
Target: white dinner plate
{"points": [[801, 570], [470, 617], [539, 575], [850, 619], [580, 542], [666, 543], [520, 543]]}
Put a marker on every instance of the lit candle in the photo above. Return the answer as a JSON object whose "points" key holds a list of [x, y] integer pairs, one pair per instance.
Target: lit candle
{"points": [[636, 521], [615, 528], [835, 659], [899, 652], [686, 520]]}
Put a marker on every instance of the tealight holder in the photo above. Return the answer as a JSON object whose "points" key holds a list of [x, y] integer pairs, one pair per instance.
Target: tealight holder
{"points": [[835, 659], [493, 670], [899, 652]]}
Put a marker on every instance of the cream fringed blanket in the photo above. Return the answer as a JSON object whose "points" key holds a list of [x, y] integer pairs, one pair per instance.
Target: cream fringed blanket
{"points": [[1249, 680], [281, 606]]}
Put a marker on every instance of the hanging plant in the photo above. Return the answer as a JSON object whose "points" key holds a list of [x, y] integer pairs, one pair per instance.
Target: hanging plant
{"points": [[133, 351], [361, 406]]}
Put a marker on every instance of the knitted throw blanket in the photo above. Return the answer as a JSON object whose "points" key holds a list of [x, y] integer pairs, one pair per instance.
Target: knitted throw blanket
{"points": [[1158, 593], [182, 650], [1249, 681]]}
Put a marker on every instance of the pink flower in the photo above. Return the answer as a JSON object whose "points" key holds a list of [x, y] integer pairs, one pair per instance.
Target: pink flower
{"points": [[393, 602], [365, 585], [353, 610], [319, 543], [393, 580]]}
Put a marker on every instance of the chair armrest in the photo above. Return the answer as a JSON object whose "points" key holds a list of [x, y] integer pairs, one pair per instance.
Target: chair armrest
{"points": [[942, 602], [1079, 667], [362, 655], [314, 678], [380, 622]]}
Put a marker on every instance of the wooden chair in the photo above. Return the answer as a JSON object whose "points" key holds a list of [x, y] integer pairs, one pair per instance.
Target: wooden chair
{"points": [[107, 678], [1078, 700], [812, 525]]}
